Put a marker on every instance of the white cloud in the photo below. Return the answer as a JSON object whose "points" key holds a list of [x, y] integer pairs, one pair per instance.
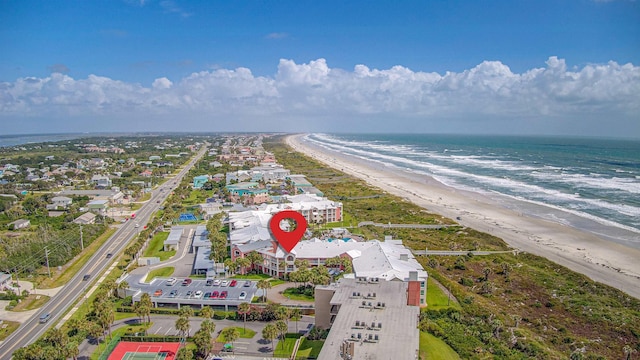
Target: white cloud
{"points": [[315, 97]]}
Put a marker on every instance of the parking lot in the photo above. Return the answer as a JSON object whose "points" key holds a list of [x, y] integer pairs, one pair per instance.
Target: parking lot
{"points": [[186, 291]]}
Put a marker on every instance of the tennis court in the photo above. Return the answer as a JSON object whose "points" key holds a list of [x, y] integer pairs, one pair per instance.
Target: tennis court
{"points": [[187, 217], [126, 350]]}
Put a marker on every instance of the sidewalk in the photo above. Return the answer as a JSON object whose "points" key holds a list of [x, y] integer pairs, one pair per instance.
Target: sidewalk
{"points": [[22, 316], [275, 295]]}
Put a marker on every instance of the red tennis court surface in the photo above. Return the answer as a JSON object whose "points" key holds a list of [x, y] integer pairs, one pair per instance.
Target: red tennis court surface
{"points": [[126, 350]]}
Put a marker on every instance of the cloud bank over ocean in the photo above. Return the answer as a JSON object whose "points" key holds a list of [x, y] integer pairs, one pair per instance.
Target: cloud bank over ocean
{"points": [[315, 97]]}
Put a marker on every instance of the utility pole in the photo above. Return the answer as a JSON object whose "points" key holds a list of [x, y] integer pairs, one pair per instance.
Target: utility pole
{"points": [[46, 255], [81, 240]]}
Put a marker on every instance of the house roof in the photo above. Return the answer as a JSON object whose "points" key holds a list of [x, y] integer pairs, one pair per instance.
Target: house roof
{"points": [[388, 260]]}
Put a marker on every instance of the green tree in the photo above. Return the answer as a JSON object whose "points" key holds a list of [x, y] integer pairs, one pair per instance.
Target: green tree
{"points": [[207, 312], [282, 328], [146, 305], [269, 333], [184, 353], [183, 326], [264, 285], [202, 341], [243, 309], [231, 334], [296, 314]]}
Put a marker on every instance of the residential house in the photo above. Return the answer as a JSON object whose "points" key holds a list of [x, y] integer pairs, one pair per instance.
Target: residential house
{"points": [[59, 202], [199, 181], [85, 219]]}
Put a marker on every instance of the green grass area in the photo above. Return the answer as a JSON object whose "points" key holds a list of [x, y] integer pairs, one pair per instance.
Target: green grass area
{"points": [[10, 327], [292, 294], [244, 334], [276, 282], [160, 272], [437, 299], [62, 278], [125, 315], [308, 348], [432, 348], [155, 247], [252, 277], [33, 301]]}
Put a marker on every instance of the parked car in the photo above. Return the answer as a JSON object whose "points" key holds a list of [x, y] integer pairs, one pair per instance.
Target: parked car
{"points": [[243, 295], [173, 293], [189, 293], [216, 282], [224, 283], [198, 294], [158, 292], [233, 283], [209, 282], [247, 283], [214, 295], [223, 295], [207, 295], [186, 282], [171, 281]]}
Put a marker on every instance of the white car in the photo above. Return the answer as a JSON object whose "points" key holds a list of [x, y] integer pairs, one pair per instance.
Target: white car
{"points": [[243, 295], [224, 283], [198, 294], [216, 282], [171, 281]]}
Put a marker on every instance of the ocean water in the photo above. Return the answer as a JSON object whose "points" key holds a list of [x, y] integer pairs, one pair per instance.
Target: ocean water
{"points": [[13, 140], [590, 184]]}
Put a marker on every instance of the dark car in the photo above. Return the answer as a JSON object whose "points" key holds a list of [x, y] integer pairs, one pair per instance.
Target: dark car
{"points": [[247, 283], [209, 282], [86, 277], [109, 255], [207, 294]]}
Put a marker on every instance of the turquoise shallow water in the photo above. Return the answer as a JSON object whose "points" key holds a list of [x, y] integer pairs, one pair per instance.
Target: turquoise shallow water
{"points": [[591, 184]]}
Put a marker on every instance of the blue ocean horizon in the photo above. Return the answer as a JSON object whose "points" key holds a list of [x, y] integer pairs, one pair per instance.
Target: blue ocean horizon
{"points": [[592, 184]]}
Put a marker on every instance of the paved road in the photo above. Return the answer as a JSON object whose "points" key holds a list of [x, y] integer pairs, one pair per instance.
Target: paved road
{"points": [[32, 329]]}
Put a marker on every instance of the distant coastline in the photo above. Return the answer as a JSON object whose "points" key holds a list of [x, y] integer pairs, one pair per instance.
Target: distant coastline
{"points": [[601, 260]]}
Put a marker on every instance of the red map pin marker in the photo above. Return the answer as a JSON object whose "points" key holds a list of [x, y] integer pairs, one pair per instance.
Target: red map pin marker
{"points": [[288, 239]]}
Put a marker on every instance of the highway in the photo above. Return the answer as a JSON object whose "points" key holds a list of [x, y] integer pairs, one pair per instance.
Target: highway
{"points": [[58, 305]]}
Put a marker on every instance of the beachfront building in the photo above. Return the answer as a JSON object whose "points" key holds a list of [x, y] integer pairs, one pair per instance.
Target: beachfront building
{"points": [[314, 208], [389, 260], [368, 319]]}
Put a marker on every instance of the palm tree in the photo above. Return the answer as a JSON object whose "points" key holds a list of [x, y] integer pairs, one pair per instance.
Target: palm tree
{"points": [[202, 340], [184, 354], [270, 332], [208, 325], [231, 334], [296, 314], [243, 263], [243, 309], [283, 313], [264, 285], [282, 328], [182, 325], [122, 285], [72, 350], [146, 305], [207, 312]]}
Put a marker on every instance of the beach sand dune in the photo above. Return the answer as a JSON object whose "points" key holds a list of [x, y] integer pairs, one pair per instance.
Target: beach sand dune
{"points": [[604, 261]]}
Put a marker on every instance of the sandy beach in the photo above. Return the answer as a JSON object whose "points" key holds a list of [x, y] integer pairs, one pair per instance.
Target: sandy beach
{"points": [[599, 259]]}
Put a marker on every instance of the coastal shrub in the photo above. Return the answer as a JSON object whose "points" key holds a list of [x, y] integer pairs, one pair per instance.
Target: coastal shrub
{"points": [[466, 281]]}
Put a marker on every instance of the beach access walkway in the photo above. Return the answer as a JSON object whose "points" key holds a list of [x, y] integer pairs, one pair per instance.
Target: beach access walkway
{"points": [[461, 253], [403, 226]]}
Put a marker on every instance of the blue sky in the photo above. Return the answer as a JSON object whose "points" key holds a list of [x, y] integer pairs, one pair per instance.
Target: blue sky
{"points": [[321, 65]]}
